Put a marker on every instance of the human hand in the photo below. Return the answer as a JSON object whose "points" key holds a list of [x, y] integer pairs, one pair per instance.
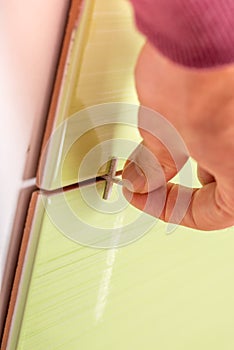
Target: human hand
{"points": [[200, 105]]}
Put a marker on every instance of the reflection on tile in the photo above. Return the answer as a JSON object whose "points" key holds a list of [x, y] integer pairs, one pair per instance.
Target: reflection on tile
{"points": [[80, 147]]}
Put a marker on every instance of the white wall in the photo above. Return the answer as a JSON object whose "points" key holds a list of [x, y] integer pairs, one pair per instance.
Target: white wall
{"points": [[30, 37]]}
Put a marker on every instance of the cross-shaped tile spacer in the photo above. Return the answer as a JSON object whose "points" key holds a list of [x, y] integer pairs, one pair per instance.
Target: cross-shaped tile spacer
{"points": [[110, 178]]}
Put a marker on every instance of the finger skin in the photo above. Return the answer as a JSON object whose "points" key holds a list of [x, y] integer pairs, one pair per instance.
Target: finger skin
{"points": [[204, 176], [200, 105], [148, 169], [204, 211]]}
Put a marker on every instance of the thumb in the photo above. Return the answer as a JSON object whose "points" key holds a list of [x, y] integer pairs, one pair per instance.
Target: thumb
{"points": [[149, 168]]}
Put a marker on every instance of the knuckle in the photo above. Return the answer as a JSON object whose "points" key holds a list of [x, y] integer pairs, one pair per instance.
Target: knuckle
{"points": [[225, 202]]}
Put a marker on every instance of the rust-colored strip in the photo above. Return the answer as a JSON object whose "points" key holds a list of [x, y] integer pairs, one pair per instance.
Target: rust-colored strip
{"points": [[74, 11], [19, 268]]}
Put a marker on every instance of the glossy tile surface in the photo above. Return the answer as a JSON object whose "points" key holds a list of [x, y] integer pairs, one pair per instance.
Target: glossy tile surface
{"points": [[162, 291], [100, 69]]}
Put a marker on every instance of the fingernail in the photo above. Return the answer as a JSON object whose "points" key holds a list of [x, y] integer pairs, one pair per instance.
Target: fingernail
{"points": [[133, 178]]}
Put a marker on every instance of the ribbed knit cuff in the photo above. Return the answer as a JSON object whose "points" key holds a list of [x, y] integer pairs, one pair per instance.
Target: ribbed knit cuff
{"points": [[194, 33]]}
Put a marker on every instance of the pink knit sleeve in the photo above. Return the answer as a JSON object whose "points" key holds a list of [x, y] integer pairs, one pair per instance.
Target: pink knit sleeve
{"points": [[194, 33]]}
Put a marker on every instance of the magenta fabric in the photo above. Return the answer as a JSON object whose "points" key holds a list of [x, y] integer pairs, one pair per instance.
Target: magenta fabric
{"points": [[194, 33]]}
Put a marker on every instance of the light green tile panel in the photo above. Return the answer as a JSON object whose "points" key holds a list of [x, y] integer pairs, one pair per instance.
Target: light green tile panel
{"points": [[100, 70], [80, 148], [105, 70], [162, 292]]}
